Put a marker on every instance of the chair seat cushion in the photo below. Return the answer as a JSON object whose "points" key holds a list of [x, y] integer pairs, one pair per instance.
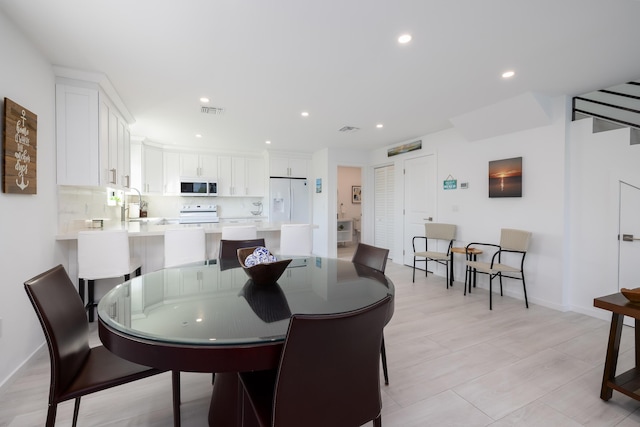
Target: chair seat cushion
{"points": [[485, 267], [432, 255], [103, 370]]}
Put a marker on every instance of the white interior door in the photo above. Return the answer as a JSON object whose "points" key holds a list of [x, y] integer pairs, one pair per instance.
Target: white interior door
{"points": [[383, 207], [419, 200], [629, 242]]}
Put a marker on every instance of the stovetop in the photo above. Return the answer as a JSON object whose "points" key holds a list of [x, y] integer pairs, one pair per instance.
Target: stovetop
{"points": [[197, 214]]}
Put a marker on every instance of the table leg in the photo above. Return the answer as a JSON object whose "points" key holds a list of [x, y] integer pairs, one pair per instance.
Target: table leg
{"points": [[475, 274], [226, 407], [451, 267], [611, 361], [637, 341]]}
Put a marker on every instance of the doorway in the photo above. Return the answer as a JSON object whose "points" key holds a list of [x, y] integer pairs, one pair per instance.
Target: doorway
{"points": [[349, 209]]}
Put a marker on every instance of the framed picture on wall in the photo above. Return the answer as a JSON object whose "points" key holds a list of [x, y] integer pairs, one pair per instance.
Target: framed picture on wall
{"points": [[505, 177], [356, 194]]}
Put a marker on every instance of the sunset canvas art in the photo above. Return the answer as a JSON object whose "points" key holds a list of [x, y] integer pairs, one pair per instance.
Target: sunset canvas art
{"points": [[505, 178]]}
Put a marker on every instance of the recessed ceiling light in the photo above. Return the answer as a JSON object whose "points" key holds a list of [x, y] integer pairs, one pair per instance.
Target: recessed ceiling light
{"points": [[405, 38], [267, 142], [198, 135], [305, 114], [205, 100], [379, 125], [508, 74]]}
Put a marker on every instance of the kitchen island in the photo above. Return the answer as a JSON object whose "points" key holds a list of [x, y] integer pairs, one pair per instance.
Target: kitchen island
{"points": [[147, 240]]}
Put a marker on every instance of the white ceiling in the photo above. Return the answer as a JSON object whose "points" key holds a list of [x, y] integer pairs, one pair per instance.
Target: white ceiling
{"points": [[265, 61]]}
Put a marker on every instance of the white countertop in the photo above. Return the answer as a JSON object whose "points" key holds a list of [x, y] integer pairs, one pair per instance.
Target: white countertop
{"points": [[151, 228]]}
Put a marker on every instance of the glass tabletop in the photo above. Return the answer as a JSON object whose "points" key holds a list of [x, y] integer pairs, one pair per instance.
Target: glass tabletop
{"points": [[214, 305]]}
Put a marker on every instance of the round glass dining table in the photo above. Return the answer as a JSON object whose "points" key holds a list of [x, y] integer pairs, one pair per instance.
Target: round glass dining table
{"points": [[210, 317]]}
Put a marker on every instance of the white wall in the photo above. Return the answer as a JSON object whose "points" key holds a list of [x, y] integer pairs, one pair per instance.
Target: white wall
{"points": [[29, 223], [479, 218], [597, 163]]}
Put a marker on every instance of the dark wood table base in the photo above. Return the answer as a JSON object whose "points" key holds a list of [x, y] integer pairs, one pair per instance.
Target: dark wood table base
{"points": [[628, 382]]}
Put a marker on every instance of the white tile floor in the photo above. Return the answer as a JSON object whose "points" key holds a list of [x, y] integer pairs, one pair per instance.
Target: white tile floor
{"points": [[452, 362]]}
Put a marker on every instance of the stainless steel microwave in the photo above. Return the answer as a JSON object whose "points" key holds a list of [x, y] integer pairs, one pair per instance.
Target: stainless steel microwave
{"points": [[195, 187]]}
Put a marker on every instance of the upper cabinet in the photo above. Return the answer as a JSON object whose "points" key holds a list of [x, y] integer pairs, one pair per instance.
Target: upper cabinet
{"points": [[171, 164], [288, 167], [194, 165], [241, 176], [152, 170], [92, 138]]}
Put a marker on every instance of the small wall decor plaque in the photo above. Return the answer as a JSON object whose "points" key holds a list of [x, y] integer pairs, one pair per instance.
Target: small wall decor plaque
{"points": [[505, 178], [450, 183], [20, 148]]}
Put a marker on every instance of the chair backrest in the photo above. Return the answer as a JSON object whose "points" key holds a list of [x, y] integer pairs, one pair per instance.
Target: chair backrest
{"points": [[337, 357], [184, 246], [296, 239], [103, 254], [440, 231], [371, 256], [229, 251], [64, 322], [515, 240], [239, 232]]}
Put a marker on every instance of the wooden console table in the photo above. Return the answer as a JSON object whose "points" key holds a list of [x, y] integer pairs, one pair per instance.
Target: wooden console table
{"points": [[629, 382]]}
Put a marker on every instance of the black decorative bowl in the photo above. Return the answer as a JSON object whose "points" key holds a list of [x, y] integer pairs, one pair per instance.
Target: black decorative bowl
{"points": [[265, 273]]}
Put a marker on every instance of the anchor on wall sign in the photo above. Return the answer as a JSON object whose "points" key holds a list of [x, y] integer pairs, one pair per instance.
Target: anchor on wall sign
{"points": [[19, 149]]}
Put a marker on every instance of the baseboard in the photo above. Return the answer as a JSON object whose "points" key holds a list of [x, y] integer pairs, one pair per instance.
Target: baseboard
{"points": [[7, 382]]}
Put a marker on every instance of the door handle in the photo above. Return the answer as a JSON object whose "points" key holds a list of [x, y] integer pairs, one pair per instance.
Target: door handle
{"points": [[428, 219], [628, 238]]}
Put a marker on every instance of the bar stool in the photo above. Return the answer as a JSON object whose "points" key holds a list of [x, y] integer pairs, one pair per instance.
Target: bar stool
{"points": [[184, 246], [296, 239], [239, 232], [103, 255]]}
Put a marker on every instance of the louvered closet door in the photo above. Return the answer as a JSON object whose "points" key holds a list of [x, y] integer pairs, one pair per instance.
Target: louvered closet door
{"points": [[383, 207]]}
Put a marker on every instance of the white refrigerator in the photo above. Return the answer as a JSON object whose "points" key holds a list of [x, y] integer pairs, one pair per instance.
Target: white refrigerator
{"points": [[289, 200]]}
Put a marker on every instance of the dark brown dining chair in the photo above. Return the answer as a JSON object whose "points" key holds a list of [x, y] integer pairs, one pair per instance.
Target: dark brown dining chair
{"points": [[228, 254], [77, 369], [334, 357], [376, 258]]}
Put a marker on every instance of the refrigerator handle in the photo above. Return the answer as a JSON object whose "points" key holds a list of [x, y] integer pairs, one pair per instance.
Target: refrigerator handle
{"points": [[291, 202]]}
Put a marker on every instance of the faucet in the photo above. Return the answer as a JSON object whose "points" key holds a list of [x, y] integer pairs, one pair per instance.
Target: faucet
{"points": [[123, 208], [139, 196]]}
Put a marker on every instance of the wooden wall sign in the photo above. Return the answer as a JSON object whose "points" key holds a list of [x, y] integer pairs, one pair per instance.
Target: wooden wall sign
{"points": [[19, 174]]}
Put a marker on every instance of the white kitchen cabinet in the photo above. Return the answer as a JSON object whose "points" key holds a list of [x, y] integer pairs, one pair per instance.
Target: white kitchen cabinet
{"points": [[115, 143], [171, 165], [241, 176], [77, 136], [152, 170], [194, 165], [92, 138], [288, 167]]}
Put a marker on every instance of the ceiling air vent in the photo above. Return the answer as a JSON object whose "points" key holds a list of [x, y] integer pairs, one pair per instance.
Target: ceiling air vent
{"points": [[212, 110], [348, 129]]}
